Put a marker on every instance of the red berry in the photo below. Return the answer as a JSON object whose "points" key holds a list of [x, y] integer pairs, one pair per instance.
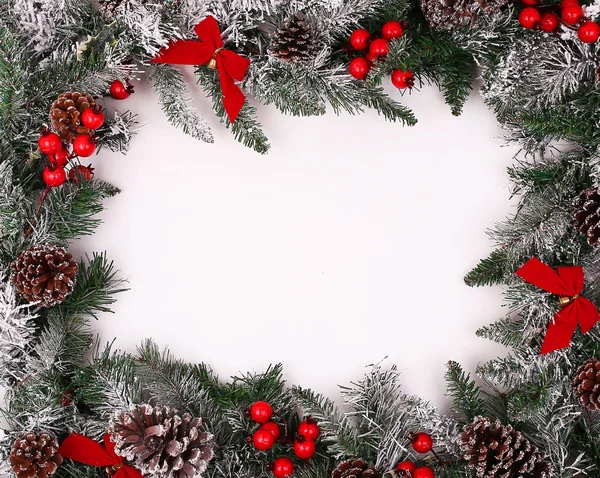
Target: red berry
{"points": [[84, 145], [359, 68], [549, 22], [422, 442], [360, 39], [282, 467], [261, 412], [54, 177], [49, 142], [60, 158], [371, 58], [92, 118], [564, 3], [405, 466], [529, 17], [80, 172], [379, 47], [391, 30], [423, 472], [263, 439], [272, 428], [66, 399], [309, 429], [589, 32], [530, 2], [571, 13], [119, 91], [403, 79], [303, 448]]}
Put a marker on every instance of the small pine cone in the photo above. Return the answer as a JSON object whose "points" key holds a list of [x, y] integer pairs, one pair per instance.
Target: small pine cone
{"points": [[35, 456], [354, 469], [586, 215], [497, 451], [160, 442], [44, 274], [586, 384], [65, 114], [450, 15], [293, 41]]}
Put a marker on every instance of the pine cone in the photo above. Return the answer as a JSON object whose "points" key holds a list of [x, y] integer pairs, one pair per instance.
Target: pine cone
{"points": [[354, 469], [160, 442], [586, 215], [44, 274], [497, 451], [293, 41], [65, 113], [35, 456], [449, 15], [587, 384]]}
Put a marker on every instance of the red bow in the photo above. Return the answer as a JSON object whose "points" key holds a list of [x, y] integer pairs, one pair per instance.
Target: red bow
{"points": [[566, 282], [85, 450], [210, 50]]}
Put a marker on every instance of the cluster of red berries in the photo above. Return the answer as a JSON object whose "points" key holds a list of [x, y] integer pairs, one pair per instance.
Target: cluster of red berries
{"points": [[571, 14], [421, 443], [269, 433], [375, 49]]}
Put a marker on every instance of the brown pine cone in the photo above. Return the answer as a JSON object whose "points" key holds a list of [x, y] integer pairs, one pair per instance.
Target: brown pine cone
{"points": [[586, 384], [161, 442], [65, 114], [35, 456], [497, 451], [354, 469], [44, 274], [293, 40], [450, 15], [586, 215]]}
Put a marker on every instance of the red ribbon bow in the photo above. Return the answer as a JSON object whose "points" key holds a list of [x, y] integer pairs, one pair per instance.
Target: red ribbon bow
{"points": [[210, 50], [85, 450], [566, 282]]}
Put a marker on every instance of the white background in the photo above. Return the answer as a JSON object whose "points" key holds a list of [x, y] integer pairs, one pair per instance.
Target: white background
{"points": [[344, 245]]}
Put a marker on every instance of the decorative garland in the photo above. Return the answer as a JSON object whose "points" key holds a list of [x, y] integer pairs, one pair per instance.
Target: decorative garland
{"points": [[148, 414]]}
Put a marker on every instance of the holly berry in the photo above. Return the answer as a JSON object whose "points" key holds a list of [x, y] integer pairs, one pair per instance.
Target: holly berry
{"points": [[49, 142], [549, 22], [564, 3], [359, 68], [571, 13], [272, 428], [304, 448], [119, 91], [54, 176], [84, 145], [66, 399], [379, 47], [391, 30], [421, 442], [589, 32], [403, 79], [261, 412], [529, 17], [92, 118], [282, 467], [80, 172], [371, 58], [359, 39], [60, 158], [423, 472], [263, 439], [309, 429], [530, 2], [405, 467]]}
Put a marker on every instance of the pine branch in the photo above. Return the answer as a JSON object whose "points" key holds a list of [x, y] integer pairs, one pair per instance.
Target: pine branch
{"points": [[465, 394], [489, 271]]}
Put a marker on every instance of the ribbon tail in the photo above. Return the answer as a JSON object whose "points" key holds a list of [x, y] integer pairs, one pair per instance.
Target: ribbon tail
{"points": [[560, 330], [543, 276], [587, 314], [233, 98], [184, 52], [85, 450]]}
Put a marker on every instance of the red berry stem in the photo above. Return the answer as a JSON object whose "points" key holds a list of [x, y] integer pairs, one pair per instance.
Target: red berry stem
{"points": [[38, 210], [286, 438]]}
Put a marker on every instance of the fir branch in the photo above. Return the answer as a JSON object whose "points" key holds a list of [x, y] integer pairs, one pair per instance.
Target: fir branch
{"points": [[465, 394], [489, 271]]}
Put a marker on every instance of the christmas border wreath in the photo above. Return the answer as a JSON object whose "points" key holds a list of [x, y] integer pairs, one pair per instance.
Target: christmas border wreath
{"points": [[75, 414]]}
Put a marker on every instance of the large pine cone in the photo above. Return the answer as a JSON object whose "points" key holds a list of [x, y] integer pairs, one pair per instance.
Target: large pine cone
{"points": [[160, 442], [44, 274], [586, 384], [354, 469], [65, 114], [586, 215], [497, 451], [293, 41], [449, 15], [35, 456]]}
